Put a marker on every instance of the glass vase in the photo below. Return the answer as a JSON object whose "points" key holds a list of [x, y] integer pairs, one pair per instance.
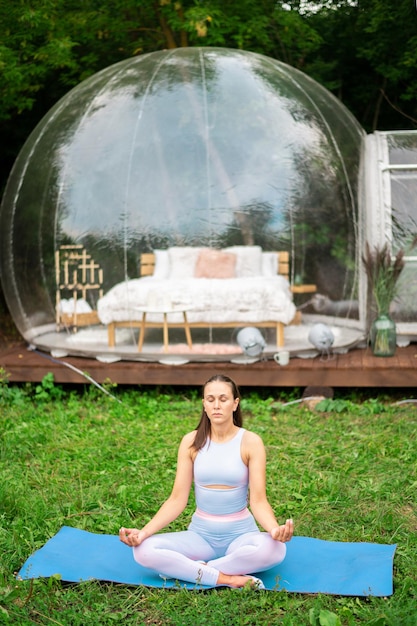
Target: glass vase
{"points": [[383, 336]]}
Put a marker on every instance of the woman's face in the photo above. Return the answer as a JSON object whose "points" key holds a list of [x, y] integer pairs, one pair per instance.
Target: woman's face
{"points": [[219, 403]]}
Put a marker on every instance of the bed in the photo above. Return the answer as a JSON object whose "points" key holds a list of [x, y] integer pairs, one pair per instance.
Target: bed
{"points": [[233, 287]]}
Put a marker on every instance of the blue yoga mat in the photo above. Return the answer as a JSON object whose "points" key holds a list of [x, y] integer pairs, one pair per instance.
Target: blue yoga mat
{"points": [[311, 565]]}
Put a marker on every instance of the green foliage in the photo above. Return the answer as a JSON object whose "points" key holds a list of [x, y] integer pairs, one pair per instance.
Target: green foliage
{"points": [[46, 40], [10, 394], [33, 44], [368, 58], [345, 472], [340, 405], [47, 390], [49, 45], [324, 618]]}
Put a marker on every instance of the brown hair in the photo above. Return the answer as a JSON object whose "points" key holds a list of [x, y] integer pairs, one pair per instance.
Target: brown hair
{"points": [[204, 425]]}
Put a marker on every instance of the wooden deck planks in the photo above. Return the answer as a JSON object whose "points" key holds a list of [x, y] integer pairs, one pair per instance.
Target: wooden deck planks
{"points": [[356, 368]]}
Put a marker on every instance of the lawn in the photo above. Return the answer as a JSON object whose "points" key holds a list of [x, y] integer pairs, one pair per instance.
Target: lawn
{"points": [[345, 471]]}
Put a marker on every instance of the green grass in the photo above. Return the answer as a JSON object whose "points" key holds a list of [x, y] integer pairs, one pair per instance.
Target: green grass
{"points": [[345, 471]]}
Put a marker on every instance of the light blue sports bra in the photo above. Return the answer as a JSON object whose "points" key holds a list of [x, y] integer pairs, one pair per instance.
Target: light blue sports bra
{"points": [[221, 464]]}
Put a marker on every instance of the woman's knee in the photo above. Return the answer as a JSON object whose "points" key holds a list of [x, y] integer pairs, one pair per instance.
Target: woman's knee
{"points": [[272, 552], [280, 551], [277, 551], [144, 554]]}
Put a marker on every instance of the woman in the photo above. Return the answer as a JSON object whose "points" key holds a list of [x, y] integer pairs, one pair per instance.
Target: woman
{"points": [[223, 543]]}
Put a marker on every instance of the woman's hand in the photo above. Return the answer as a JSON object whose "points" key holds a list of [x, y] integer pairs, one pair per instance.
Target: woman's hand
{"points": [[284, 532], [132, 536]]}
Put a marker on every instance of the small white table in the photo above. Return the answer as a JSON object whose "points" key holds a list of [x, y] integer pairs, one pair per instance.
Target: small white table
{"points": [[165, 312]]}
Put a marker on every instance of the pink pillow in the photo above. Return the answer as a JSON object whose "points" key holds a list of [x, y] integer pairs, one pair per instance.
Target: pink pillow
{"points": [[215, 264]]}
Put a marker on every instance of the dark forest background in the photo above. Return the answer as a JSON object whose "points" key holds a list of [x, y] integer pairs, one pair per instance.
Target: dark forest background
{"points": [[363, 51]]}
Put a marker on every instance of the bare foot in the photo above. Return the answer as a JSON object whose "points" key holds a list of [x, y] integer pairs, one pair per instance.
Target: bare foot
{"points": [[237, 581]]}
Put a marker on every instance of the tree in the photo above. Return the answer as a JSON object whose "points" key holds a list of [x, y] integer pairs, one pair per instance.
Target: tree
{"points": [[368, 58], [49, 46]]}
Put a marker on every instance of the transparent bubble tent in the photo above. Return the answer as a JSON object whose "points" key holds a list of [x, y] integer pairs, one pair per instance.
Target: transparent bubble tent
{"points": [[199, 165]]}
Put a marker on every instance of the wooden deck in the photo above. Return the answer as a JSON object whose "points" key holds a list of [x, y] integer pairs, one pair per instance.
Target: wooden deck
{"points": [[357, 368]]}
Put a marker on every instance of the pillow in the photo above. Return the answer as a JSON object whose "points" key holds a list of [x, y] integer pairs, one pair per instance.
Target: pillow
{"points": [[161, 269], [269, 264], [182, 261], [215, 264], [249, 260]]}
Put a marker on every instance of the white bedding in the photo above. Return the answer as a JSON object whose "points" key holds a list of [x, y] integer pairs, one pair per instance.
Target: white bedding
{"points": [[208, 300]]}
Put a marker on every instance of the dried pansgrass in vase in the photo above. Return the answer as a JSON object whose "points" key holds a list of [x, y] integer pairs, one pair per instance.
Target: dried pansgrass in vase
{"points": [[382, 273]]}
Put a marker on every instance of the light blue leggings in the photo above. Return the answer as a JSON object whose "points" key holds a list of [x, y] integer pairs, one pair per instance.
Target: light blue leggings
{"points": [[177, 555]]}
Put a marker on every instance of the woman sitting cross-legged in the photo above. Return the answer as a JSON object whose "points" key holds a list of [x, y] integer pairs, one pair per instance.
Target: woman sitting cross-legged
{"points": [[223, 544]]}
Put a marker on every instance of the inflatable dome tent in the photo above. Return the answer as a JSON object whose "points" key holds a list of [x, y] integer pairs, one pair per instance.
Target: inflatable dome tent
{"points": [[171, 164]]}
